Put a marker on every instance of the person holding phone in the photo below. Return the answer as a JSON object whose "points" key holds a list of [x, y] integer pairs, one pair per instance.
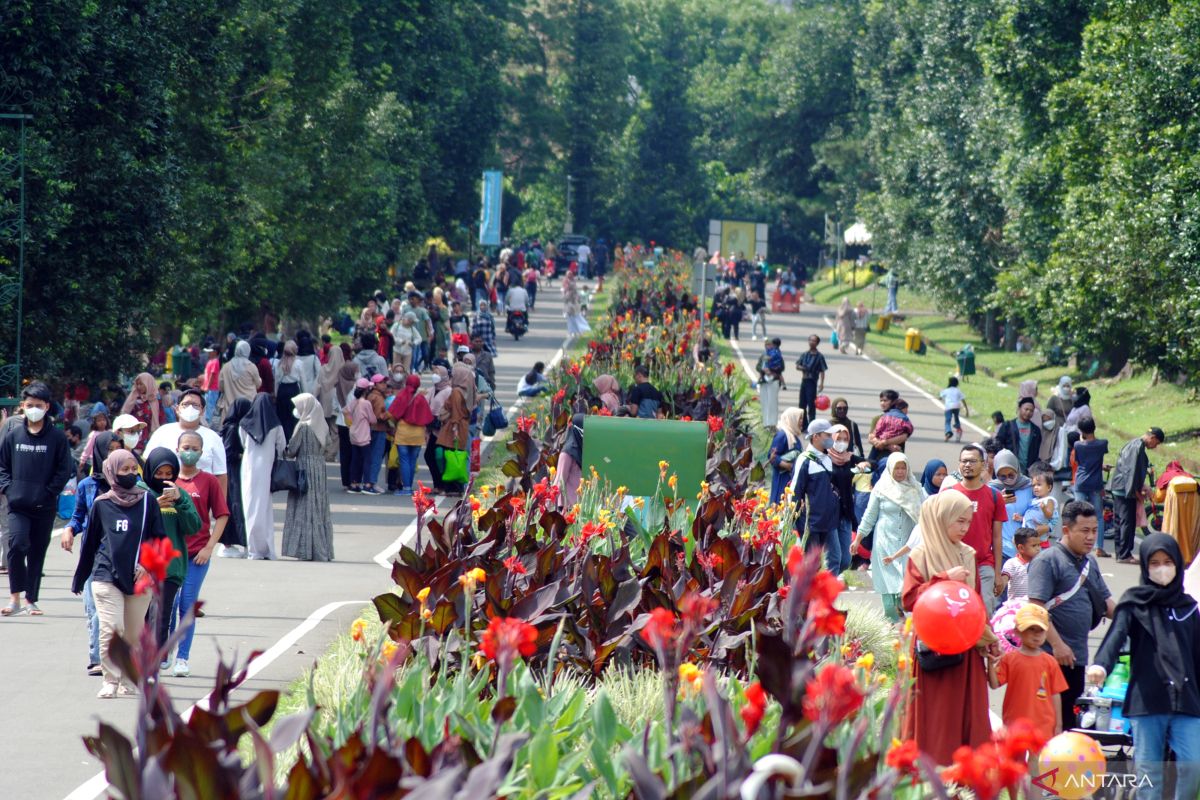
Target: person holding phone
{"points": [[180, 520]]}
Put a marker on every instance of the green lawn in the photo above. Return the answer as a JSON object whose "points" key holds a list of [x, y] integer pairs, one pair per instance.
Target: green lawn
{"points": [[1123, 408]]}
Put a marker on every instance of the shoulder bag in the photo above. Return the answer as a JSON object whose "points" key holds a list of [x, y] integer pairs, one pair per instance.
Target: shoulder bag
{"points": [[1099, 607], [288, 476]]}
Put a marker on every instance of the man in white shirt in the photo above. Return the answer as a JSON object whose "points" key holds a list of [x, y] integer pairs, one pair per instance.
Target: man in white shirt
{"points": [[583, 254], [190, 409]]}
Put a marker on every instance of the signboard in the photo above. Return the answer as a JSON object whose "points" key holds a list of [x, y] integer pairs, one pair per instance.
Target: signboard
{"points": [[489, 213], [626, 450], [730, 237]]}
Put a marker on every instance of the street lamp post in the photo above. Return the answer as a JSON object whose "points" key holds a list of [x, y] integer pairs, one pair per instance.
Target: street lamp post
{"points": [[11, 373]]}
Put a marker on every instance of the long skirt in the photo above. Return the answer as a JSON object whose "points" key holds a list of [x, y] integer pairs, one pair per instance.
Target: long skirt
{"points": [[284, 408], [235, 528], [768, 395]]}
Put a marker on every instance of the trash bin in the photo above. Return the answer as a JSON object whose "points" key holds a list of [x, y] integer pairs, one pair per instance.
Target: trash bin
{"points": [[912, 340], [883, 322], [966, 361]]}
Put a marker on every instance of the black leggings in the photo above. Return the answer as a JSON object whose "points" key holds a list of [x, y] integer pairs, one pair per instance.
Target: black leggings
{"points": [[345, 452], [166, 606], [28, 541]]}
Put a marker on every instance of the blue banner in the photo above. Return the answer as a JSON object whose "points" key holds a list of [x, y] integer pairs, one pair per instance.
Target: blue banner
{"points": [[489, 213]]}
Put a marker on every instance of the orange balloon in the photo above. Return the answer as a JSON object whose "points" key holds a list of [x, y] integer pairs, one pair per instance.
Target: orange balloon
{"points": [[1071, 765], [949, 617]]}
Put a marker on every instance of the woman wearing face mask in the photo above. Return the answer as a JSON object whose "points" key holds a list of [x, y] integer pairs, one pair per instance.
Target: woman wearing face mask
{"points": [[120, 521], [1161, 624], [210, 504], [142, 403], [180, 520], [308, 526], [845, 465], [129, 430], [785, 449], [839, 415], [1082, 408], [287, 386], [1017, 492]]}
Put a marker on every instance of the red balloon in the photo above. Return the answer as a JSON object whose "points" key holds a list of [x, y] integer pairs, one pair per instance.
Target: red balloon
{"points": [[822, 402], [949, 617]]}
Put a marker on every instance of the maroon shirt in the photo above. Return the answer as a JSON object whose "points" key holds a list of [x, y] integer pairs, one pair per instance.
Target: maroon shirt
{"points": [[206, 494]]}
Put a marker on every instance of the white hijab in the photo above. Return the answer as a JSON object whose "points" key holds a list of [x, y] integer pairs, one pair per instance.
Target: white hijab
{"points": [[310, 413], [908, 493]]}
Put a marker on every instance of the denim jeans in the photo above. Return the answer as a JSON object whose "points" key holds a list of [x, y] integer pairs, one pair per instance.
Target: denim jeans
{"points": [[1151, 735], [952, 414], [1096, 498], [93, 621], [408, 454], [375, 459], [211, 398], [184, 600], [837, 547]]}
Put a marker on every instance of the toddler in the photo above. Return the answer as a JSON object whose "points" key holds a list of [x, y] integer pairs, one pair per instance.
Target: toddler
{"points": [[1014, 574], [1033, 677], [1042, 515]]}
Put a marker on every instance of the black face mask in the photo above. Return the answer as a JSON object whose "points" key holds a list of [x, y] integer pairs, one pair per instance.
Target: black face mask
{"points": [[127, 481]]}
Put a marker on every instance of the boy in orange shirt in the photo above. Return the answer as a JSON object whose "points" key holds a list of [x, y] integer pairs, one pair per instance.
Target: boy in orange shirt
{"points": [[1033, 677]]}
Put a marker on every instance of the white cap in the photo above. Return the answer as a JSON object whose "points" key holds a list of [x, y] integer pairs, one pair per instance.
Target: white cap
{"points": [[818, 426], [127, 422]]}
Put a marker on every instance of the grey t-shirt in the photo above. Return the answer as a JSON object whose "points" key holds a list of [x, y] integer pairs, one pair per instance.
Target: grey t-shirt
{"points": [[1054, 572]]}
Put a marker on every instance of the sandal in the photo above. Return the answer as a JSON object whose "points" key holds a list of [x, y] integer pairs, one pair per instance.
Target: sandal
{"points": [[10, 610], [32, 610]]}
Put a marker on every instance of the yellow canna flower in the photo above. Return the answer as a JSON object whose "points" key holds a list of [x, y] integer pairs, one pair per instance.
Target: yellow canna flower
{"points": [[479, 660], [553, 471], [908, 625], [388, 650], [673, 481], [358, 629], [866, 661], [846, 649], [423, 595], [486, 491], [426, 614], [902, 663], [471, 578], [621, 490], [639, 503]]}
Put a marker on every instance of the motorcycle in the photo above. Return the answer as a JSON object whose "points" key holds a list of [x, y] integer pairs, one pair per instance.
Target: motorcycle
{"points": [[517, 324]]}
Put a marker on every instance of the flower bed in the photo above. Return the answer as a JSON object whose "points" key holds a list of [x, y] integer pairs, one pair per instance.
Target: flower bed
{"points": [[512, 623]]}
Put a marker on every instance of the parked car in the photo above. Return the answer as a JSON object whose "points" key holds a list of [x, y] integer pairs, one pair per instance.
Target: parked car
{"points": [[568, 247]]}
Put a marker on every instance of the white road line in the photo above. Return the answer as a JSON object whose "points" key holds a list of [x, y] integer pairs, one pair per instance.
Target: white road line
{"points": [[98, 783], [407, 536], [936, 401], [742, 358]]}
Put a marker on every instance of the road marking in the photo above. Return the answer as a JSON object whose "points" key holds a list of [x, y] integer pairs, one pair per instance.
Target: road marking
{"points": [[935, 400], [407, 536], [98, 783], [742, 358]]}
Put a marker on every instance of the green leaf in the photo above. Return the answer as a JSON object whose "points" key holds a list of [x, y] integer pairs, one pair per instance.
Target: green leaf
{"points": [[543, 754], [604, 719]]}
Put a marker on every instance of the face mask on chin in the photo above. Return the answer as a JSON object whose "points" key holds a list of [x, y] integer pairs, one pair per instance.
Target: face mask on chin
{"points": [[1163, 575]]}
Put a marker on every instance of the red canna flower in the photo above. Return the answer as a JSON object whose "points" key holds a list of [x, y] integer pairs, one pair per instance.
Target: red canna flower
{"points": [[903, 757], [506, 638], [709, 561], [822, 591], [524, 424], [558, 396], [685, 418], [155, 557], [766, 534], [729, 368], [744, 510], [514, 565], [825, 588], [833, 695], [985, 770], [1021, 738], [475, 504], [695, 609], [603, 412], [661, 630], [590, 531], [574, 369], [756, 706], [517, 504], [715, 424], [421, 499]]}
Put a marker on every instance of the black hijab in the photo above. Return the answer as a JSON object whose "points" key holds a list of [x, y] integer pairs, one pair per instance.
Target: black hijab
{"points": [[262, 418], [157, 458], [1150, 603], [304, 344], [100, 447], [229, 430], [573, 446]]}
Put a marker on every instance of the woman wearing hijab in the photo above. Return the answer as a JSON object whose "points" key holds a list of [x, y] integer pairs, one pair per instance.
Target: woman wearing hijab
{"points": [[142, 403], [862, 320], [180, 520], [1081, 407], [239, 379], [1017, 490], [1179, 493], [287, 387], [839, 411], [437, 395], [577, 324], [785, 448], [892, 513], [98, 417], [343, 397], [327, 385], [609, 392], [233, 538], [1063, 400], [308, 364], [844, 324], [121, 519], [455, 417], [931, 479], [946, 708], [1161, 624], [845, 466], [411, 411], [262, 440], [308, 526], [569, 471]]}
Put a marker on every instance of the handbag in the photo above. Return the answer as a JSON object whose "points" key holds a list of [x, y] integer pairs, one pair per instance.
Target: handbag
{"points": [[456, 466], [288, 476], [833, 340], [495, 419], [932, 661]]}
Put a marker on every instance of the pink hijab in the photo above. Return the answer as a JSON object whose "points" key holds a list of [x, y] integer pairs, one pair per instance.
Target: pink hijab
{"points": [[609, 391], [147, 380]]}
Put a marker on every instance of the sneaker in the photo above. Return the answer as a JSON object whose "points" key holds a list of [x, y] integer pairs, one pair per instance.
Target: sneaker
{"points": [[371, 490], [181, 668], [94, 670], [107, 692], [126, 691], [353, 490]]}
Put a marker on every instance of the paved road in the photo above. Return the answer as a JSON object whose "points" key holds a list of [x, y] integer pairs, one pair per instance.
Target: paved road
{"points": [[859, 380], [47, 702]]}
